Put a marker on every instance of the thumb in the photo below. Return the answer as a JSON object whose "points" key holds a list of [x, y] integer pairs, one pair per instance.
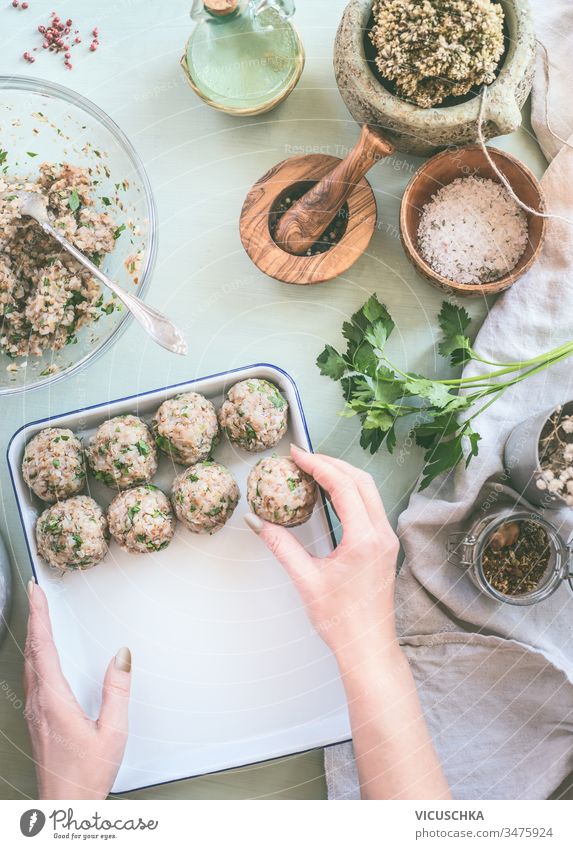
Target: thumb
{"points": [[115, 697], [288, 550]]}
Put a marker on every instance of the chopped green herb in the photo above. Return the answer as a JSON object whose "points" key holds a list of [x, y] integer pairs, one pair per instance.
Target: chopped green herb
{"points": [[133, 511], [74, 201], [143, 447]]}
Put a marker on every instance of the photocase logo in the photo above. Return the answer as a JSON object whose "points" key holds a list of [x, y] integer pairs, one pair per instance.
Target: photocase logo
{"points": [[32, 822]]}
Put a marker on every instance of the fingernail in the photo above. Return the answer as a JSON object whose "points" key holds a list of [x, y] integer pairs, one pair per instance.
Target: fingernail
{"points": [[30, 587], [298, 448], [123, 660], [254, 523]]}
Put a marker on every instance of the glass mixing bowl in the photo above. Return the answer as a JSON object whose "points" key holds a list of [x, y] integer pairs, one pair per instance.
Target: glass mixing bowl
{"points": [[44, 122]]}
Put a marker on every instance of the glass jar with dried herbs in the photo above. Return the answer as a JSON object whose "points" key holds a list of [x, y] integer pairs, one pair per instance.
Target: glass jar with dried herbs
{"points": [[514, 556]]}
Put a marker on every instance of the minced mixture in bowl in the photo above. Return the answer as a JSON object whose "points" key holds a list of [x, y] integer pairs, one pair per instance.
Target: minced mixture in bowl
{"points": [[73, 535], [122, 453], [54, 465], [204, 497], [255, 415], [279, 492], [45, 295], [186, 428], [141, 520]]}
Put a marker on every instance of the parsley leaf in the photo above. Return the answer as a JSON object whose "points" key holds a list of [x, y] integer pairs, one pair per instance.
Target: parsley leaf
{"points": [[455, 343], [331, 363]]}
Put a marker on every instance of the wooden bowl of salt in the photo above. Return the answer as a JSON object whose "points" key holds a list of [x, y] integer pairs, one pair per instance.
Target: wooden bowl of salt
{"points": [[437, 247]]}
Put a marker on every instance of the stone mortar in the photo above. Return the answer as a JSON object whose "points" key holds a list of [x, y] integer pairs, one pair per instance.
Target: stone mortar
{"points": [[424, 131]]}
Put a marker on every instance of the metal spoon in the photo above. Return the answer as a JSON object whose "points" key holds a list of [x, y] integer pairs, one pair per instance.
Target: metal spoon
{"points": [[157, 325]]}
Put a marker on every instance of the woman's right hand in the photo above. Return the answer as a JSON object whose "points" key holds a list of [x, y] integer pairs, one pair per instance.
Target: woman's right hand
{"points": [[349, 595]]}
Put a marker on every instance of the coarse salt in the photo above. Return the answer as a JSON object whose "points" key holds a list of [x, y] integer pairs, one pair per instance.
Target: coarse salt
{"points": [[472, 231]]}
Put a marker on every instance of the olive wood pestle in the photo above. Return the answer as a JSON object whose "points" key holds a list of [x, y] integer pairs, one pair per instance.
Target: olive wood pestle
{"points": [[307, 219]]}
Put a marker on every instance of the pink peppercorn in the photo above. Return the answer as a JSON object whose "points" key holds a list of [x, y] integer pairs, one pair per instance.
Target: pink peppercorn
{"points": [[93, 47], [15, 3], [25, 5], [77, 40]]}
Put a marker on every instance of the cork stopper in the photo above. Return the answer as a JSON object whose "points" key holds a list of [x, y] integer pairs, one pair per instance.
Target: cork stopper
{"points": [[221, 7]]}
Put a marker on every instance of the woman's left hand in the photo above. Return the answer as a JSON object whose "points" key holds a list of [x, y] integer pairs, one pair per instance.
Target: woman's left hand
{"points": [[76, 757]]}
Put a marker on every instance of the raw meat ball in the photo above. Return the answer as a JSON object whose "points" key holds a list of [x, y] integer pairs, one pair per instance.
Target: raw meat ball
{"points": [[204, 497], [73, 534], [255, 415], [122, 453], [186, 428], [141, 519], [279, 492], [54, 465]]}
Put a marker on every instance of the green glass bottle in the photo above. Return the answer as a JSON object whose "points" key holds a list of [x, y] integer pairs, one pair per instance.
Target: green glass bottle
{"points": [[244, 57]]}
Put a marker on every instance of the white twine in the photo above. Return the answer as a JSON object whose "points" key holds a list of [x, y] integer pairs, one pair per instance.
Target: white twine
{"points": [[546, 99], [502, 177]]}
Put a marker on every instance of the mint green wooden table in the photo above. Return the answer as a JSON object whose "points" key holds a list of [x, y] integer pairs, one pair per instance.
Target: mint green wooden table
{"points": [[201, 165]]}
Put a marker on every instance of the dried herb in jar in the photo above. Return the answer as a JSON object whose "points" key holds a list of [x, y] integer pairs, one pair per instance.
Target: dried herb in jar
{"points": [[516, 558]]}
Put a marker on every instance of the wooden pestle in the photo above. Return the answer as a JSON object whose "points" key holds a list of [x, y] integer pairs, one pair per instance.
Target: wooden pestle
{"points": [[307, 219]]}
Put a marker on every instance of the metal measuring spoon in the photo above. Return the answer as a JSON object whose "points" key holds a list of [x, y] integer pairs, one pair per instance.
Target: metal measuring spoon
{"points": [[158, 326]]}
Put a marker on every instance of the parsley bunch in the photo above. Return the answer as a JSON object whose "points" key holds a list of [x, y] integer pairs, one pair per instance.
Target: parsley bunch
{"points": [[381, 394]]}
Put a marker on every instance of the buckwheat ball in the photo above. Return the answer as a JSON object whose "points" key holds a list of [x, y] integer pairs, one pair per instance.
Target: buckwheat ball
{"points": [[72, 535], [204, 497], [54, 464], [279, 492], [141, 519], [186, 428], [122, 453], [255, 415]]}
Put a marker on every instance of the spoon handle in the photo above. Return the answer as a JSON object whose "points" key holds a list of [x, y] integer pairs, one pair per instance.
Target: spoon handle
{"points": [[157, 325], [307, 219]]}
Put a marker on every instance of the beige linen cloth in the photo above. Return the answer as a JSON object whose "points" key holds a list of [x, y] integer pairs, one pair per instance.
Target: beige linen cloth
{"points": [[495, 680]]}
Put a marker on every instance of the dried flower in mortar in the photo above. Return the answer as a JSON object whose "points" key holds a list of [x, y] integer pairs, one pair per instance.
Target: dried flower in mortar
{"points": [[556, 457], [432, 49]]}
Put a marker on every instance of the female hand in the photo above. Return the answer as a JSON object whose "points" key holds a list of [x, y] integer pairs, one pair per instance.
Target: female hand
{"points": [[349, 595], [75, 757]]}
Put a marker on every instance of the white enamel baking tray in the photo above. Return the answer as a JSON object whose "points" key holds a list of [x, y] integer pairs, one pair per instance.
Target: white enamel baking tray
{"points": [[228, 670]]}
